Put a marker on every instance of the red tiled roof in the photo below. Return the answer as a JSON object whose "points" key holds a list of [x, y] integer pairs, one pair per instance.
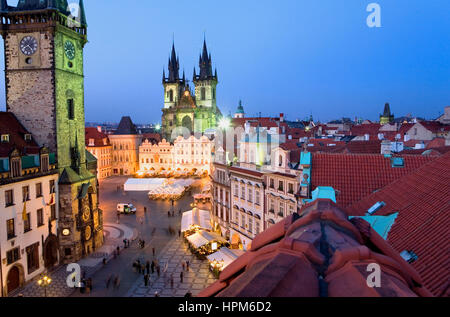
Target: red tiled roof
{"points": [[368, 147], [10, 125], [97, 136], [155, 137], [436, 142], [434, 126], [317, 254], [362, 129], [325, 142], [288, 146], [354, 176], [422, 200], [246, 171]]}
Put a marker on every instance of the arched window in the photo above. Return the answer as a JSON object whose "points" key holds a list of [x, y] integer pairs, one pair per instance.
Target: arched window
{"points": [[280, 161], [203, 93]]}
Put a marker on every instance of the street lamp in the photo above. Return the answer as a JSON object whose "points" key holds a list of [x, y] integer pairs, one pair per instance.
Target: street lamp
{"points": [[44, 282]]}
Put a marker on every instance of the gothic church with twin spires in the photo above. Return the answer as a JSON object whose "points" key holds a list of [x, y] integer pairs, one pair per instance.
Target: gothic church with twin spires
{"points": [[184, 109]]}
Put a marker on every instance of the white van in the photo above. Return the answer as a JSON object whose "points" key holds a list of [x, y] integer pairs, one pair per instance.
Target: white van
{"points": [[126, 209]]}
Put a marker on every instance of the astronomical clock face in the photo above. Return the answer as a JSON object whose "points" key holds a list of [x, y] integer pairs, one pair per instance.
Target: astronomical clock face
{"points": [[28, 45], [69, 49], [86, 213], [88, 233]]}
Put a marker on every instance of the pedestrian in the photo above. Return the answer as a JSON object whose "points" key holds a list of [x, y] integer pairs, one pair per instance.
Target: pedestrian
{"points": [[179, 212], [171, 281], [182, 264], [158, 270], [118, 250], [154, 251], [116, 282], [108, 281], [147, 266], [173, 213], [143, 244], [153, 267], [156, 294], [181, 276], [179, 233], [124, 243], [145, 210], [187, 265], [146, 279], [104, 261], [143, 269], [168, 214], [89, 285]]}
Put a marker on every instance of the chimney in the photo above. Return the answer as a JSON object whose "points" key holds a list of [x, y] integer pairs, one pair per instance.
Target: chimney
{"points": [[99, 128], [281, 117]]}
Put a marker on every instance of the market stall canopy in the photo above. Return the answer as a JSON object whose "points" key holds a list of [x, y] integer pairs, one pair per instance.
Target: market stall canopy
{"points": [[196, 217], [225, 256], [143, 184], [202, 238]]}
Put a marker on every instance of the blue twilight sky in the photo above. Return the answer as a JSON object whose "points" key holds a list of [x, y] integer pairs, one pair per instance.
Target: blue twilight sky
{"points": [[293, 56]]}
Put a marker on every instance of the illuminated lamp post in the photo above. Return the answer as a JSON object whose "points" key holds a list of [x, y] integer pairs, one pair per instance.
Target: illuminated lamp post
{"points": [[44, 282]]}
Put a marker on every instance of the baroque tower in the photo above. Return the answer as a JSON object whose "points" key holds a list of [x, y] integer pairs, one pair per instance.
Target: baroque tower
{"points": [[44, 78]]}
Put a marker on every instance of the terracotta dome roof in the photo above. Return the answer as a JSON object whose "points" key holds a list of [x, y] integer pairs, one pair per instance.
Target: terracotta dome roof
{"points": [[317, 253]]}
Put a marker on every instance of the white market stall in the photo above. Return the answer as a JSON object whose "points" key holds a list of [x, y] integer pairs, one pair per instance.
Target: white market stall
{"points": [[143, 184], [204, 243], [222, 258], [196, 219]]}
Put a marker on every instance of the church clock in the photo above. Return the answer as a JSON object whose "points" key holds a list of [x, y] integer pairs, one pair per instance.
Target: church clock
{"points": [[69, 49]]}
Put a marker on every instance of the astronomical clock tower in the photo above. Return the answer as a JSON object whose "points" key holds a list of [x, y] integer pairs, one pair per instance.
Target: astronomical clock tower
{"points": [[44, 78]]}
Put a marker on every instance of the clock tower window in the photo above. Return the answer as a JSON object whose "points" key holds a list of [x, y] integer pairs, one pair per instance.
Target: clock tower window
{"points": [[71, 109]]}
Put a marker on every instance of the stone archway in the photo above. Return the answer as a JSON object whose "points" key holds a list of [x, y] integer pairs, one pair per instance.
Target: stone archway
{"points": [[187, 123], [51, 251], [15, 278]]}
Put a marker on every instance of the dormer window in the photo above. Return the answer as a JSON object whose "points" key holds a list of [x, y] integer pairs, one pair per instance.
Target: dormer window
{"points": [[5, 138], [27, 137], [44, 163], [16, 167], [91, 142], [409, 256]]}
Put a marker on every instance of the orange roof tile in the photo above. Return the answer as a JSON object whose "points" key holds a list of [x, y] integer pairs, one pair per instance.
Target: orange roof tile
{"points": [[317, 253], [422, 200], [354, 176]]}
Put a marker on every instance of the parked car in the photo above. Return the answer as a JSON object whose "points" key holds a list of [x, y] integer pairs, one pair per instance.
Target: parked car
{"points": [[126, 209]]}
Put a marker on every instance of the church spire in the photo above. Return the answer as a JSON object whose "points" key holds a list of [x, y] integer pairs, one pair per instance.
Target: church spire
{"points": [[174, 66], [205, 63]]}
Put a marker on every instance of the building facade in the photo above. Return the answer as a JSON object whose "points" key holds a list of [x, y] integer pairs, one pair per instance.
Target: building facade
{"points": [[155, 157], [186, 111], [98, 144], [28, 205], [125, 148], [45, 76], [221, 204], [247, 201], [193, 154]]}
